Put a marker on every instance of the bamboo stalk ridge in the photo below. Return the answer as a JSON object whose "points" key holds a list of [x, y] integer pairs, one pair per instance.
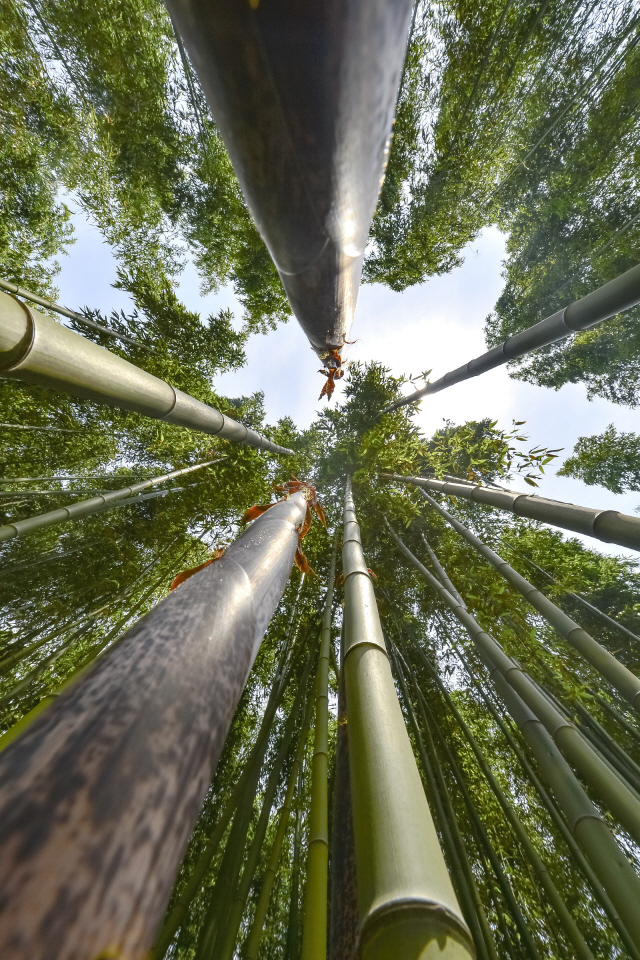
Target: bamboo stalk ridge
{"points": [[599, 305], [147, 724], [71, 314], [84, 508], [314, 923], [36, 349], [622, 802], [406, 902], [624, 681], [606, 525], [567, 922]]}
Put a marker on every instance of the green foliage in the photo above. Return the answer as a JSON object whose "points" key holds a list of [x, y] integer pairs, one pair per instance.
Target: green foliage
{"points": [[610, 459]]}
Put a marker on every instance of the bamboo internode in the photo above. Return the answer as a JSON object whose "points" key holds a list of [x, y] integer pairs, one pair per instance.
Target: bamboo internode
{"points": [[606, 525], [605, 302], [35, 349], [406, 901], [107, 783], [624, 681], [84, 508]]}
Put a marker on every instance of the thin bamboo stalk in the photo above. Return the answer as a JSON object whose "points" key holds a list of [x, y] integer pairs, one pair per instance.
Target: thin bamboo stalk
{"points": [[343, 933], [161, 710], [624, 681], [314, 923], [615, 793], [406, 901], [606, 525], [601, 304], [454, 846], [84, 508], [617, 716], [292, 940], [540, 869], [36, 349], [226, 950], [441, 573], [71, 314], [284, 816]]}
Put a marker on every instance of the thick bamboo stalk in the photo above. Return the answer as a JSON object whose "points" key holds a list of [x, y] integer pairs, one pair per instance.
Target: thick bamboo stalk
{"points": [[343, 933], [226, 949], [601, 304], [616, 794], [111, 777], [84, 508], [454, 846], [71, 314], [556, 901], [250, 773], [625, 682], [406, 901], [35, 349], [606, 525], [314, 922]]}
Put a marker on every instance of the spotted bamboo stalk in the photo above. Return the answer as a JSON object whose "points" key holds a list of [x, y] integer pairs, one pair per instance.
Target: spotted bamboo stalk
{"points": [[314, 923], [36, 349], [142, 731], [401, 873], [622, 679], [601, 304], [606, 525]]}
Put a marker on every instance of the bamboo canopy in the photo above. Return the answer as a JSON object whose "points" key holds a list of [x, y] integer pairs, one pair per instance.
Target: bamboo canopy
{"points": [[169, 703], [35, 349], [605, 302], [610, 526], [304, 97]]}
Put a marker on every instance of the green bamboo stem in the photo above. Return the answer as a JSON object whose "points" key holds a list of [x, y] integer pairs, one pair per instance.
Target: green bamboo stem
{"points": [[36, 349], [521, 924], [217, 917], [619, 798], [616, 715], [314, 923], [230, 934], [453, 843], [606, 525], [552, 808], [85, 508], [292, 941], [624, 681], [441, 573], [250, 773], [540, 869], [406, 901], [284, 815]]}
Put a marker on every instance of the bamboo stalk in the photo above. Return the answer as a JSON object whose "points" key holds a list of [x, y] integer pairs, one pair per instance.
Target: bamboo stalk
{"points": [[36, 349], [567, 922], [292, 942], [314, 923], [624, 681], [441, 573], [142, 732], [621, 801], [406, 901], [601, 304], [84, 508], [606, 525], [617, 716]]}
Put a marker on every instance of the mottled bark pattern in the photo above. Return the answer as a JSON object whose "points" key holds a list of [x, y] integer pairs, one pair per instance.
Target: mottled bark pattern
{"points": [[99, 796]]}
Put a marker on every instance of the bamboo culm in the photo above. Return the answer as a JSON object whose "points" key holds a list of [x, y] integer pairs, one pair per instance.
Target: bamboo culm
{"points": [[406, 901], [606, 525], [625, 682], [616, 794], [604, 302], [441, 573], [166, 693], [567, 922], [227, 940], [86, 507], [36, 349], [314, 922]]}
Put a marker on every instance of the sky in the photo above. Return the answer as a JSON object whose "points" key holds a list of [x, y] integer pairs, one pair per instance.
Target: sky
{"points": [[436, 325]]}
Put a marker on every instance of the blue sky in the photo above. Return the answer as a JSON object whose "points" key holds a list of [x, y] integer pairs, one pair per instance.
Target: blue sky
{"points": [[437, 325]]}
